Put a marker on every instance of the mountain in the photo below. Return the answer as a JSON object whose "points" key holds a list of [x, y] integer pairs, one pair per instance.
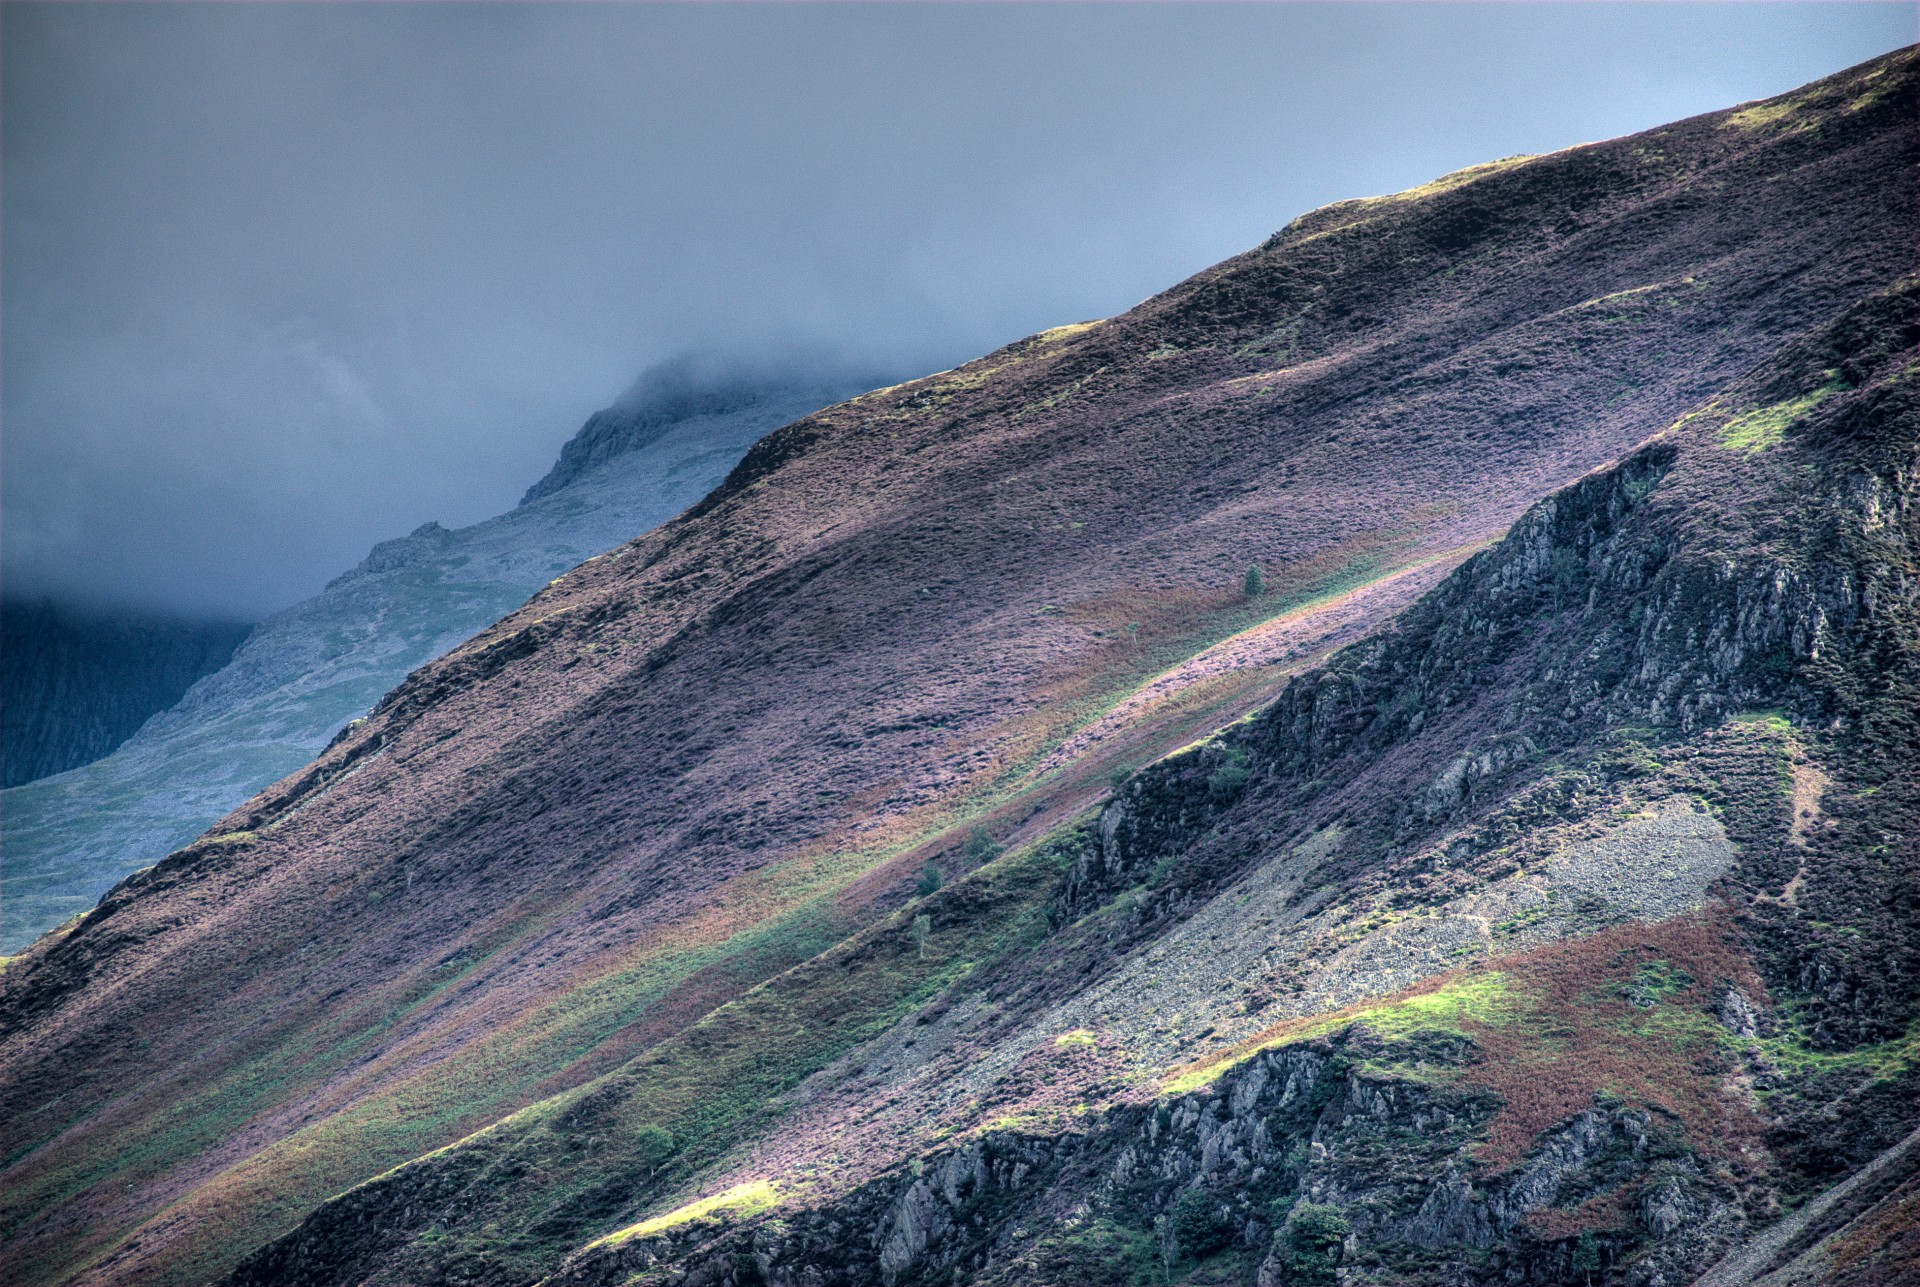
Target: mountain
{"points": [[76, 682], [934, 858], [305, 672]]}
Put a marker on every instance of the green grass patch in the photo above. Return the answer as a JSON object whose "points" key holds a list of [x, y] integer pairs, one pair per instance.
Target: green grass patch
{"points": [[1105, 1253], [747, 1199], [1627, 1012], [1766, 427], [1888, 1061], [1483, 998]]}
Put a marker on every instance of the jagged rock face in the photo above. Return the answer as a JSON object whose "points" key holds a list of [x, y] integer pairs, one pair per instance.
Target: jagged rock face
{"points": [[1290, 1130], [627, 901], [308, 670]]}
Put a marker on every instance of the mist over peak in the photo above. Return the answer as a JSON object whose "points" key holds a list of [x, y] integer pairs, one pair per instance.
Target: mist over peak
{"points": [[707, 383]]}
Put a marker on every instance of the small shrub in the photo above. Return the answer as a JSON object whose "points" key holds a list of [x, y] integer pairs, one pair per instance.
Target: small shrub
{"points": [[1314, 1235], [1586, 1256], [982, 847], [656, 1145], [1102, 1253], [1231, 775], [930, 879], [1254, 583], [1196, 1225]]}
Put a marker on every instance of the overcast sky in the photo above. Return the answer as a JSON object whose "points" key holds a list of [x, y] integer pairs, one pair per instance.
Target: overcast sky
{"points": [[284, 281]]}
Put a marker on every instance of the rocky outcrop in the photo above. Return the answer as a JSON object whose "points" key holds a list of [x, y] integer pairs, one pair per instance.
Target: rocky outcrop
{"points": [[1608, 603], [1299, 1128]]}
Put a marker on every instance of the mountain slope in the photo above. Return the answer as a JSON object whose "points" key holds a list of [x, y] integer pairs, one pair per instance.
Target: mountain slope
{"points": [[306, 671], [1582, 1088], [640, 860], [79, 682], [1540, 972]]}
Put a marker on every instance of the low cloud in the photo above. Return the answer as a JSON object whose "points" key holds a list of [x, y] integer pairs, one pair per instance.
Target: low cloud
{"points": [[283, 281]]}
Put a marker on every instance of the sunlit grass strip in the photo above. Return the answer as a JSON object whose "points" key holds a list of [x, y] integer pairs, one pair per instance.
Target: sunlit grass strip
{"points": [[774, 919], [703, 1081], [1767, 427], [1628, 1012], [747, 1199], [1443, 1003], [1123, 666]]}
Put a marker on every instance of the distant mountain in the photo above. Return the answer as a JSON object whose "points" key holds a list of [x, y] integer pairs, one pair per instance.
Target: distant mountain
{"points": [[693, 387], [76, 682], [304, 672], [933, 859]]}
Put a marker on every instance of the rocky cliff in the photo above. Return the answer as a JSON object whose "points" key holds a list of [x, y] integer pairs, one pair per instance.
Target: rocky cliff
{"points": [[1596, 1088]]}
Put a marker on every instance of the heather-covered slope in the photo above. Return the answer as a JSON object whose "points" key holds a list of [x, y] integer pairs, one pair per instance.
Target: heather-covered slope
{"points": [[1423, 952], [304, 672], [1528, 941], [664, 826]]}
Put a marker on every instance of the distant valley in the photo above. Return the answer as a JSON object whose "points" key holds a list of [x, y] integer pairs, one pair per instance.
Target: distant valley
{"points": [[78, 682]]}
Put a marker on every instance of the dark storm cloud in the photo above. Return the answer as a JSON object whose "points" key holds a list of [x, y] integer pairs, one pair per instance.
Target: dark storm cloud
{"points": [[283, 281]]}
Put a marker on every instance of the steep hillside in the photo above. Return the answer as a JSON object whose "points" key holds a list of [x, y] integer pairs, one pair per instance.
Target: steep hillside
{"points": [[77, 682], [308, 670], [1568, 929], [815, 889]]}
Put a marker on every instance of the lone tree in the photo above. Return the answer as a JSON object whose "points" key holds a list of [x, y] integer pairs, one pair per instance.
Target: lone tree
{"points": [[982, 847], [930, 879], [657, 1146], [1314, 1238], [1253, 583], [1197, 1225]]}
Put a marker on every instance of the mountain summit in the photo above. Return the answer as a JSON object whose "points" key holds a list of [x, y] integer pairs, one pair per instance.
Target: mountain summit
{"points": [[933, 858]]}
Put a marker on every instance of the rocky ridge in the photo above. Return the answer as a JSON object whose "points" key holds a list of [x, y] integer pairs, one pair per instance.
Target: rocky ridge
{"points": [[1644, 1188]]}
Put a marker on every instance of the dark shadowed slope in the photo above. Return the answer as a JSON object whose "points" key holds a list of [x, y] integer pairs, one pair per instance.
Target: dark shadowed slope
{"points": [[908, 628], [77, 682]]}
